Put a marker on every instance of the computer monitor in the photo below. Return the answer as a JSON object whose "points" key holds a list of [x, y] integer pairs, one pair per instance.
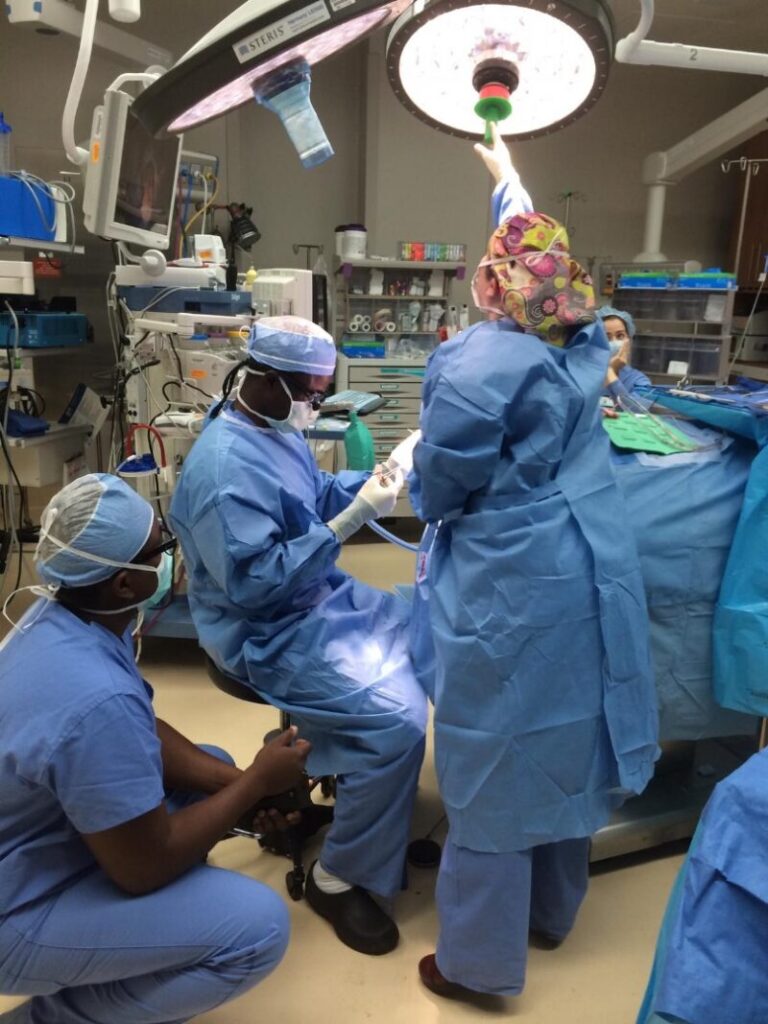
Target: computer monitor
{"points": [[130, 186]]}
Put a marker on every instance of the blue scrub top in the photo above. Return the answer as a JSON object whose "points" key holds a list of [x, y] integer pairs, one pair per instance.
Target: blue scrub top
{"points": [[630, 382], [80, 751]]}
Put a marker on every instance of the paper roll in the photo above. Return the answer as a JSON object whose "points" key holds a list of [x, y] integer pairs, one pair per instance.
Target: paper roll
{"points": [[390, 327]]}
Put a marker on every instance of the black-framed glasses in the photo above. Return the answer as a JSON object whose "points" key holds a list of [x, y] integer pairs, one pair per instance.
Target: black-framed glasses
{"points": [[314, 398], [169, 544]]}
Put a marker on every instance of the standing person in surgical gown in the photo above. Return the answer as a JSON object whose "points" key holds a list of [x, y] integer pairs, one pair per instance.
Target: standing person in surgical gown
{"points": [[545, 707]]}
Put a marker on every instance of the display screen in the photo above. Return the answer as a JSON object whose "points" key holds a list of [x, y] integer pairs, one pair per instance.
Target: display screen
{"points": [[147, 181]]}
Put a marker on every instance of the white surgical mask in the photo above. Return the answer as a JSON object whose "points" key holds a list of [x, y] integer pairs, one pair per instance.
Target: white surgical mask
{"points": [[300, 416], [476, 296]]}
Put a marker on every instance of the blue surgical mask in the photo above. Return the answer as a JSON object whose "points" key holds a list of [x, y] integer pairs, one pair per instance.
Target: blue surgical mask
{"points": [[615, 347]]}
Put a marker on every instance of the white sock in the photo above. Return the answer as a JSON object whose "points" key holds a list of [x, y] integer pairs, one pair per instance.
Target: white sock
{"points": [[328, 883]]}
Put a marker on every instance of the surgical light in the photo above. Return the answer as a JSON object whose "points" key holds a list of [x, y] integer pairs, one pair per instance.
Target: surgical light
{"points": [[238, 56], [550, 58]]}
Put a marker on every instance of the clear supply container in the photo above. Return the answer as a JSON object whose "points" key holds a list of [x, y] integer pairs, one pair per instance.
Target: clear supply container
{"points": [[5, 146], [648, 355], [677, 350], [705, 359], [286, 93], [690, 304]]}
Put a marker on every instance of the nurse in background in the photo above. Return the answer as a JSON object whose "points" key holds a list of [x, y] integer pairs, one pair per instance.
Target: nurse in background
{"points": [[622, 380]]}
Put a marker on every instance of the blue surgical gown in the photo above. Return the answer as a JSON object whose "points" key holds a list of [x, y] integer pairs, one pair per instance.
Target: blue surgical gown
{"points": [[271, 607], [545, 708], [710, 959]]}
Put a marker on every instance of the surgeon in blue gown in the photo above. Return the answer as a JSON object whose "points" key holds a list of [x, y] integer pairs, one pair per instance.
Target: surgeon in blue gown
{"points": [[545, 706], [710, 958], [261, 529], [108, 913]]}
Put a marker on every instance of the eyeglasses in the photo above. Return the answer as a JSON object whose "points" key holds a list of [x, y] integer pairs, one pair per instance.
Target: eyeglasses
{"points": [[314, 398], [169, 544]]}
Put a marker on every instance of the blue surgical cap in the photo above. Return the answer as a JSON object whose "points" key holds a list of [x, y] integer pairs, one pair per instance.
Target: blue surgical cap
{"points": [[98, 514], [605, 312], [293, 345]]}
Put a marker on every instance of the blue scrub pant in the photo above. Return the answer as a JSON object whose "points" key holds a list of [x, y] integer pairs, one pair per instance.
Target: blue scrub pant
{"points": [[488, 902], [367, 842], [93, 955], [372, 738]]}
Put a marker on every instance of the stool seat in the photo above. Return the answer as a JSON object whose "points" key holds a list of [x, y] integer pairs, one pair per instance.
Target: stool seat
{"points": [[314, 816], [231, 684]]}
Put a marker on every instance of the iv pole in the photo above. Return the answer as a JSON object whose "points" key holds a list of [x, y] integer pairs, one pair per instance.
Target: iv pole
{"points": [[751, 167]]}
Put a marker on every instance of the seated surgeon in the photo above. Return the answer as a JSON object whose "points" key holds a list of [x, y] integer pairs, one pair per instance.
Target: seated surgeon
{"points": [[710, 958], [621, 380], [261, 529], [109, 914]]}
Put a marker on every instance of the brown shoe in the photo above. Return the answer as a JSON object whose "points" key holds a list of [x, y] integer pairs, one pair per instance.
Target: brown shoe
{"points": [[430, 975]]}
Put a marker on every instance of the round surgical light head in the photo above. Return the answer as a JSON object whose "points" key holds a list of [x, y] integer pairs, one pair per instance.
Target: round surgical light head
{"points": [[559, 52], [258, 39]]}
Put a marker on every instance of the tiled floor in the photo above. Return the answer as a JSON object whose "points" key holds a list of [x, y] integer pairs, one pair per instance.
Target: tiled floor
{"points": [[596, 977]]}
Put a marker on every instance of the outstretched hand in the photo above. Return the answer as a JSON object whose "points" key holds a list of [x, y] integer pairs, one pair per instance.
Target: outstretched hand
{"points": [[496, 157]]}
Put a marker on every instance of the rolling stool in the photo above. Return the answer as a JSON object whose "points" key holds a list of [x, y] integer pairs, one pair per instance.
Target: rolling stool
{"points": [[313, 816]]}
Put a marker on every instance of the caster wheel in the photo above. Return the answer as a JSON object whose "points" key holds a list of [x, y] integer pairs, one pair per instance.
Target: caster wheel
{"points": [[294, 885], [424, 853]]}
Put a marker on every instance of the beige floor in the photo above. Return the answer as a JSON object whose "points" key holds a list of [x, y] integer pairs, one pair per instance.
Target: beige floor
{"points": [[596, 977]]}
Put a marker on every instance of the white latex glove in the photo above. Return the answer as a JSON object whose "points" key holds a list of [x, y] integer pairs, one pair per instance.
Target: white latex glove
{"points": [[402, 455], [376, 498], [497, 157]]}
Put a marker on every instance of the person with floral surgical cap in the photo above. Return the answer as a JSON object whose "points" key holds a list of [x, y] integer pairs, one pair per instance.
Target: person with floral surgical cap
{"points": [[545, 705]]}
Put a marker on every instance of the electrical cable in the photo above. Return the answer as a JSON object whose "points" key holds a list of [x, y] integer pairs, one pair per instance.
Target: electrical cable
{"points": [[15, 537], [176, 355], [202, 209]]}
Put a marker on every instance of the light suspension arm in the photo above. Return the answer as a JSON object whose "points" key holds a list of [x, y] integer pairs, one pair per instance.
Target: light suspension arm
{"points": [[636, 49]]}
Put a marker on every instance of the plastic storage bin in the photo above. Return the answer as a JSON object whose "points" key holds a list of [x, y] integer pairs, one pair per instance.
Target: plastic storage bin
{"points": [[44, 330], [705, 359], [644, 279], [690, 304], [714, 278], [642, 303], [27, 210], [648, 355]]}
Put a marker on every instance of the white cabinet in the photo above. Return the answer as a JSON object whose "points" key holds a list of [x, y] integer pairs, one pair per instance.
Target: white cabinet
{"points": [[399, 383]]}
